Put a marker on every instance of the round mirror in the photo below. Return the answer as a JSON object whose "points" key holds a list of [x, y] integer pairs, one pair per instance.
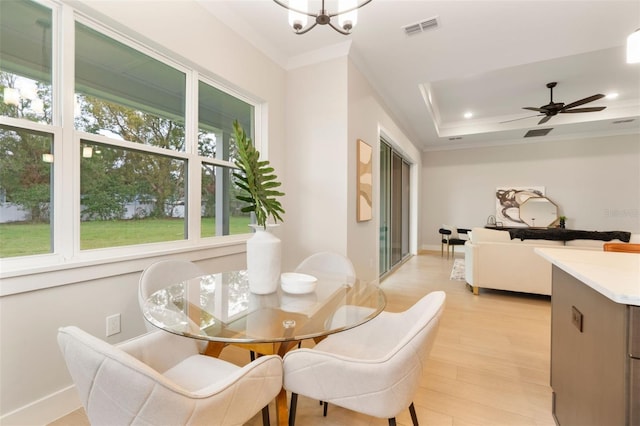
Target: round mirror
{"points": [[538, 212]]}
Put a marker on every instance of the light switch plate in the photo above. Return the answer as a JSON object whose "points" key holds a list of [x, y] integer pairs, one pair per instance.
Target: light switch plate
{"points": [[113, 325]]}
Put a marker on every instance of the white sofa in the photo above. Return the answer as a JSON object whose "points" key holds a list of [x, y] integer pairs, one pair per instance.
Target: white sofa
{"points": [[493, 260]]}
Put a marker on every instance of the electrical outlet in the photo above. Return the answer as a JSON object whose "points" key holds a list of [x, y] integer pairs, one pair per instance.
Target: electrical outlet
{"points": [[113, 324]]}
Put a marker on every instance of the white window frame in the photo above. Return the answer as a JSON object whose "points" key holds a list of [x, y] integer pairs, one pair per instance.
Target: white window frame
{"points": [[66, 253]]}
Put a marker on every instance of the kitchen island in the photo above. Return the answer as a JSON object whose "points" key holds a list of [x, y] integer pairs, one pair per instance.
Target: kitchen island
{"points": [[595, 336]]}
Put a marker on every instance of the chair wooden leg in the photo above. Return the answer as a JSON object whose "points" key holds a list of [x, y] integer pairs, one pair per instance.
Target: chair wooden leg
{"points": [[414, 417], [292, 409], [392, 421], [265, 416]]}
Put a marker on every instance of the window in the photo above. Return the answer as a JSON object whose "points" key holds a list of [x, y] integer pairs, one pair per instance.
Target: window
{"points": [[125, 94], [26, 159], [127, 159], [220, 213], [25, 65], [133, 197], [26, 154], [217, 111], [127, 196]]}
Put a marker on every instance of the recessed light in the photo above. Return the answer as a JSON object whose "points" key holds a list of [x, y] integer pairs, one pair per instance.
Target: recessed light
{"points": [[612, 95], [468, 114]]}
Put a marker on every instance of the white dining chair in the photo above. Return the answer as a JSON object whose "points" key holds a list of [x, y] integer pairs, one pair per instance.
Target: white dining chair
{"points": [[328, 264], [162, 274], [374, 368], [155, 380]]}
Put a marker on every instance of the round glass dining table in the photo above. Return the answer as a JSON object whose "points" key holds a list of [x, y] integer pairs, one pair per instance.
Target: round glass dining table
{"points": [[221, 308]]}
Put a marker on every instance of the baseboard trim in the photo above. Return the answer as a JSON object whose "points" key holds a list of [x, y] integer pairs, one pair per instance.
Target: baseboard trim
{"points": [[45, 410]]}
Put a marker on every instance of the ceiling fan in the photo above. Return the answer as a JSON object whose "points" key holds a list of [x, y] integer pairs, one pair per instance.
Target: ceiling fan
{"points": [[553, 108]]}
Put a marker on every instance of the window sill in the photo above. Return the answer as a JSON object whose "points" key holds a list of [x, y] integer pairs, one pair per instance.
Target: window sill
{"points": [[51, 271]]}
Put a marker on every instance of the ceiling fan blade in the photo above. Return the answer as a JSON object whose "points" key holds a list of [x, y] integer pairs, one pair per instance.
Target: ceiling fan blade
{"points": [[545, 119], [535, 109], [583, 101], [590, 109], [521, 118]]}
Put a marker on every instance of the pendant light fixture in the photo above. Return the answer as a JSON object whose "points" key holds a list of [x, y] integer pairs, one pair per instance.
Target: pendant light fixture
{"points": [[633, 47], [347, 15]]}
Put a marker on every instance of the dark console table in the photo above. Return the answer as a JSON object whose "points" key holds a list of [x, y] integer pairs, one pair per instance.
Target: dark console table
{"points": [[562, 234]]}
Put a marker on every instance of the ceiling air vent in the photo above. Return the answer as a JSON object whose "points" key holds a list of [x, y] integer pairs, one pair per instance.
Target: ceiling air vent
{"points": [[422, 26], [537, 132]]}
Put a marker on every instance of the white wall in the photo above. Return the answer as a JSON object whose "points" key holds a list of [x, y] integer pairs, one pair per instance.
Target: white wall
{"points": [[368, 118], [35, 386], [595, 183], [317, 155], [330, 105]]}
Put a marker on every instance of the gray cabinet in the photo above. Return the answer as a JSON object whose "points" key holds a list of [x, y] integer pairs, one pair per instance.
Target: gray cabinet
{"points": [[590, 362]]}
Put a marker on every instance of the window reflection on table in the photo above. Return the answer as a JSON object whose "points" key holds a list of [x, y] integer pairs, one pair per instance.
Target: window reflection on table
{"points": [[220, 307]]}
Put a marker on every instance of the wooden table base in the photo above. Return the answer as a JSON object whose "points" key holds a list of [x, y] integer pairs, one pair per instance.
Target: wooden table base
{"points": [[282, 407]]}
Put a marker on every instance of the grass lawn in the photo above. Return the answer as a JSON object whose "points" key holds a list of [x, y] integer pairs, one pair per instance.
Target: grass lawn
{"points": [[22, 239]]}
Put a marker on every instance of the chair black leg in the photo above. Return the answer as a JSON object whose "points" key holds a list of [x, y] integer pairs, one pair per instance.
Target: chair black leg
{"points": [[414, 417], [392, 421], [265, 416], [292, 409], [252, 354], [325, 405]]}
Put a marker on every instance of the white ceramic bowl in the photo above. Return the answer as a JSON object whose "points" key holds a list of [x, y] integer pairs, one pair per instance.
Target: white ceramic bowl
{"points": [[297, 283]]}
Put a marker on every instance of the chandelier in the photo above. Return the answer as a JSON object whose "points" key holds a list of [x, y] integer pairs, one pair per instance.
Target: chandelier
{"points": [[299, 15]]}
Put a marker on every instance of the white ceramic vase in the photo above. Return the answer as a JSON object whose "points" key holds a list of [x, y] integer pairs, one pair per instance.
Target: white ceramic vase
{"points": [[264, 254]]}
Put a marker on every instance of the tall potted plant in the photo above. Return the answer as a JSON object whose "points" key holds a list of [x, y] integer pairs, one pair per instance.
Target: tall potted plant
{"points": [[259, 184]]}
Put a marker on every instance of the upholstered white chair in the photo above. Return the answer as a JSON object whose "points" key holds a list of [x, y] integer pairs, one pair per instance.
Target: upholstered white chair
{"points": [[328, 264], [154, 380], [374, 368]]}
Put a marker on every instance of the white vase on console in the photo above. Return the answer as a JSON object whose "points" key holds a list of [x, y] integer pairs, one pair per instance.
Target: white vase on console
{"points": [[264, 255]]}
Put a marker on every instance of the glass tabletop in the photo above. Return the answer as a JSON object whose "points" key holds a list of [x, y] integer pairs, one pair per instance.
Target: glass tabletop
{"points": [[219, 307]]}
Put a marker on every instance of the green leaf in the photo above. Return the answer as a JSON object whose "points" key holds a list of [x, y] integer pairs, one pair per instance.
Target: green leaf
{"points": [[257, 178]]}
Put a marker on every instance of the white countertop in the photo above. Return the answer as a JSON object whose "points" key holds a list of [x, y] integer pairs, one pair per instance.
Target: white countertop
{"points": [[614, 275]]}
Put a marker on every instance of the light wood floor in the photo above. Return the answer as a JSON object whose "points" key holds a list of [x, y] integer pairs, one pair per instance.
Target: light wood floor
{"points": [[489, 364]]}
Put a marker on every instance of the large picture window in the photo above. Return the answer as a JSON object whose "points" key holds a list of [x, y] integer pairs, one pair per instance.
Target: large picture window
{"points": [[138, 132]]}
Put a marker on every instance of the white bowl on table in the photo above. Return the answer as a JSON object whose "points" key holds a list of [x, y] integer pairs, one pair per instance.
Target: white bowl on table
{"points": [[297, 283]]}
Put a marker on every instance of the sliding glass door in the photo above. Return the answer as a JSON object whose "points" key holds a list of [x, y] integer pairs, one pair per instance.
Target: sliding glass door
{"points": [[394, 207]]}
